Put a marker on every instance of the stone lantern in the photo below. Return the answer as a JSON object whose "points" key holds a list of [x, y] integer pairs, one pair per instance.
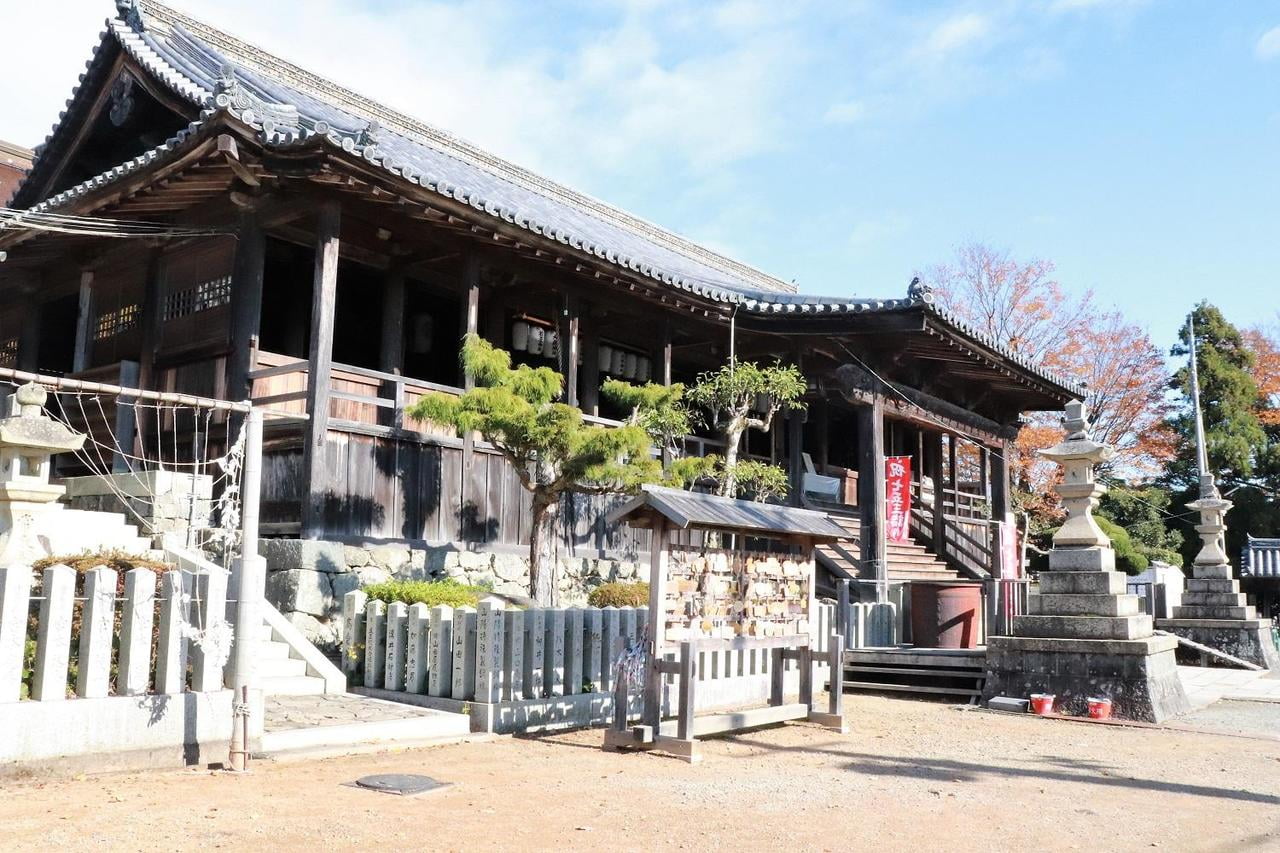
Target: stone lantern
{"points": [[28, 439]]}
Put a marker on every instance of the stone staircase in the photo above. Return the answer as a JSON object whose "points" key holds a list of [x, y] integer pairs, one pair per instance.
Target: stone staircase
{"points": [[907, 560], [280, 673], [80, 530]]}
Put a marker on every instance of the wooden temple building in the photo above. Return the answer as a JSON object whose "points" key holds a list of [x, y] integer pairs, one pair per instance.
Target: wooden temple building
{"points": [[328, 254]]}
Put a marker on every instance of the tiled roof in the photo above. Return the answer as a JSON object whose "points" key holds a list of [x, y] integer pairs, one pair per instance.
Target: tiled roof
{"points": [[1261, 558], [687, 509], [287, 105]]}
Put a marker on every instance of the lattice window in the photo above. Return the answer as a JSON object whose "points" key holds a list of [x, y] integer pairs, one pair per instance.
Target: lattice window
{"points": [[9, 352], [198, 297], [116, 322]]}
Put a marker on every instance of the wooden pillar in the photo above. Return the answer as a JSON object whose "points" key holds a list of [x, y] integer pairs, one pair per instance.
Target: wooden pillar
{"points": [[1001, 489], [871, 493], [795, 447], [152, 321], [29, 334], [84, 324], [568, 337], [246, 305], [664, 353], [953, 473], [589, 399], [984, 469], [939, 534], [324, 296], [391, 349], [824, 436], [470, 312]]}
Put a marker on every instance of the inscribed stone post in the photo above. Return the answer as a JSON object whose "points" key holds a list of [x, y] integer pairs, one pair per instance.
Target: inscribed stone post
{"points": [[397, 639], [489, 642], [513, 656], [53, 645], [609, 647], [573, 651], [554, 652], [535, 642], [375, 642], [464, 653], [136, 620], [415, 653], [93, 675], [211, 617], [353, 604], [440, 651], [592, 644], [171, 645]]}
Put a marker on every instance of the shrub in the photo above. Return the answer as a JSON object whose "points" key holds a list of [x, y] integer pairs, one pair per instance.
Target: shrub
{"points": [[618, 594], [114, 558], [1129, 559], [450, 593]]}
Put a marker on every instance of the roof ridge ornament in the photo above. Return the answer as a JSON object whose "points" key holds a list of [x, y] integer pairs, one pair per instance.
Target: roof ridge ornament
{"points": [[130, 12], [920, 291]]}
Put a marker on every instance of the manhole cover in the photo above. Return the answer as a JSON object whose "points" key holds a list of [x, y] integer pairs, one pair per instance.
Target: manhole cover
{"points": [[405, 784]]}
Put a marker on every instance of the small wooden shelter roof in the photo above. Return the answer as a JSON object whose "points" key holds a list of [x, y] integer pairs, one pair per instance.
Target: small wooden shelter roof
{"points": [[685, 510]]}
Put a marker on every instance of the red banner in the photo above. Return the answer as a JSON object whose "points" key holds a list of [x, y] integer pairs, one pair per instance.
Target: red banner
{"points": [[897, 498]]}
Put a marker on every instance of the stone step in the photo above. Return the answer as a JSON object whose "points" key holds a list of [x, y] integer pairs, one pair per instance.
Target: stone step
{"points": [[271, 650], [1212, 572], [280, 667], [1212, 585], [1058, 582], [1214, 612], [1214, 599], [1082, 605], [293, 685], [1083, 627]]}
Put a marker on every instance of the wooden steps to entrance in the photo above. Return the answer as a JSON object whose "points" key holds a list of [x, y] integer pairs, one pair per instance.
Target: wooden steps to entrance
{"points": [[905, 669], [907, 560]]}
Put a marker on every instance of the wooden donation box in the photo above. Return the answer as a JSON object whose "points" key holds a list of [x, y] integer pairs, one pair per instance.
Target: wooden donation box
{"points": [[724, 576]]}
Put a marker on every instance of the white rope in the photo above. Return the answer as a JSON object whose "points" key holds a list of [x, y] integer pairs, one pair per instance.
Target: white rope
{"points": [[57, 223]]}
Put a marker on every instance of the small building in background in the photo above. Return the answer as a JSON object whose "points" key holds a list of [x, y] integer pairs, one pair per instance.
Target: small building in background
{"points": [[14, 163]]}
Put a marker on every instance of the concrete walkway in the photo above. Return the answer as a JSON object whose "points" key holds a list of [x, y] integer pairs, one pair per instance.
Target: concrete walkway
{"points": [[344, 722], [1208, 684]]}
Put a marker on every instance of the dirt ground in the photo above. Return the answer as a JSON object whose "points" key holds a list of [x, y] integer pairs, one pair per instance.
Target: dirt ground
{"points": [[910, 775]]}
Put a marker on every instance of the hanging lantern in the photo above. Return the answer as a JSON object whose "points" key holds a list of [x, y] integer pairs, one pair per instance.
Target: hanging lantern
{"points": [[643, 369], [605, 358], [537, 339], [550, 344], [629, 367], [520, 336], [619, 362]]}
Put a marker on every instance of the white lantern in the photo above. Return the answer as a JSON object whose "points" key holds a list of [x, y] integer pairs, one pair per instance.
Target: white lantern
{"points": [[619, 362], [605, 358], [520, 336], [549, 344], [537, 339], [643, 368], [629, 367]]}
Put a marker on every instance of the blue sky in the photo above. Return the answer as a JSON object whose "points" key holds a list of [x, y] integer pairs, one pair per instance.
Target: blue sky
{"points": [[843, 145]]}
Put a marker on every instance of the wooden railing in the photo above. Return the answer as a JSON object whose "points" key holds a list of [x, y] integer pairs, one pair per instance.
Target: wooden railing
{"points": [[970, 541]]}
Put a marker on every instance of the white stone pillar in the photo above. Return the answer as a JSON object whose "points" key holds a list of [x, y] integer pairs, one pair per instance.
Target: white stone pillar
{"points": [[415, 653], [489, 642], [171, 646], [375, 642], [93, 674], [53, 644], [513, 656], [535, 642], [440, 652], [397, 639], [137, 617]]}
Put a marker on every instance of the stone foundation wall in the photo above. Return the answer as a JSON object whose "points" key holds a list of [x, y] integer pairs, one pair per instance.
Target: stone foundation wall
{"points": [[306, 580]]}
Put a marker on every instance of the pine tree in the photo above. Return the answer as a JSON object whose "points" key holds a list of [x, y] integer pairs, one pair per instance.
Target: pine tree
{"points": [[552, 450]]}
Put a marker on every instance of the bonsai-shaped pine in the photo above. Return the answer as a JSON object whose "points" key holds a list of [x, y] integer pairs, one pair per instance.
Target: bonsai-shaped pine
{"points": [[550, 448], [742, 396]]}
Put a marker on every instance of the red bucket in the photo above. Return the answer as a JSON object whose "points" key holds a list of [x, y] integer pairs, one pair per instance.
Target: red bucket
{"points": [[1099, 709], [1042, 703]]}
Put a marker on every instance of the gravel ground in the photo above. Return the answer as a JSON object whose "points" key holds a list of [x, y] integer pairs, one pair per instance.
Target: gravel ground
{"points": [[910, 775]]}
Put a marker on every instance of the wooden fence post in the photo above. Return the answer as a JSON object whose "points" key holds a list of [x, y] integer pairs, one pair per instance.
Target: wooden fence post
{"points": [[53, 645]]}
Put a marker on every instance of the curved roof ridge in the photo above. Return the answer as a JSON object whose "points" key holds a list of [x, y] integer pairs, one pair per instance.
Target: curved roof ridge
{"points": [[324, 89]]}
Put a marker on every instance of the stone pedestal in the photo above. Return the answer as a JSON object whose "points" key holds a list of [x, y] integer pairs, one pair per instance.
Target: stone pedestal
{"points": [[1082, 635], [1214, 612]]}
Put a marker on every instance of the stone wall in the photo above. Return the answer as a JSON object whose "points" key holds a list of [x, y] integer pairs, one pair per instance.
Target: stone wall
{"points": [[306, 580]]}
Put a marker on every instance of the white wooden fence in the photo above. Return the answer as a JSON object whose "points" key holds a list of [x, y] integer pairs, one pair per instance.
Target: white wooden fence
{"points": [[533, 669], [157, 666]]}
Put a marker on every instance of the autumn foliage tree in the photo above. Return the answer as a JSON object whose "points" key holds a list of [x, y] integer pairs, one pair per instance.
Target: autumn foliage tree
{"points": [[1022, 305]]}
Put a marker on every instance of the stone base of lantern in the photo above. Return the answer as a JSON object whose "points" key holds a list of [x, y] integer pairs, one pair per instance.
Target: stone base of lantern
{"points": [[1248, 639], [1140, 677]]}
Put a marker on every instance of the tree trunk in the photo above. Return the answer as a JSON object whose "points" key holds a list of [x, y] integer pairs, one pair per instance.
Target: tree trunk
{"points": [[732, 439], [544, 563]]}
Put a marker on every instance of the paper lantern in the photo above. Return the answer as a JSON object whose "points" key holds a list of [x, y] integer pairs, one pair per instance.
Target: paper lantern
{"points": [[643, 369], [629, 366], [619, 362], [537, 339], [520, 336], [550, 343], [605, 358]]}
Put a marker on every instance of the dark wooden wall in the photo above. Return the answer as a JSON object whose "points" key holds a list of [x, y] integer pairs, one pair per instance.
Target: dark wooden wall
{"points": [[391, 488]]}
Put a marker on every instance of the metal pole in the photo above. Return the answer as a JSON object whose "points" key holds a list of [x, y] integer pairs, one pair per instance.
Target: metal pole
{"points": [[251, 576]]}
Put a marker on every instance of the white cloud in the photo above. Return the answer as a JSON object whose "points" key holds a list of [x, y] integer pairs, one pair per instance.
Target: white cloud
{"points": [[953, 34], [1268, 46], [845, 112]]}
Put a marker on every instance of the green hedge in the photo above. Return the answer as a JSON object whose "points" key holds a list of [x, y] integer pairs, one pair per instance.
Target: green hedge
{"points": [[618, 594], [450, 593]]}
